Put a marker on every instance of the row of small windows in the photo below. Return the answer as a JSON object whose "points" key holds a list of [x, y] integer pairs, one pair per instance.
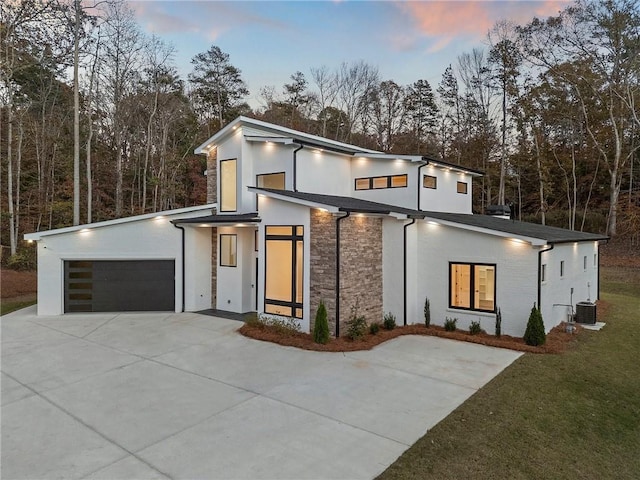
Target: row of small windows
{"points": [[543, 270], [429, 181], [388, 181]]}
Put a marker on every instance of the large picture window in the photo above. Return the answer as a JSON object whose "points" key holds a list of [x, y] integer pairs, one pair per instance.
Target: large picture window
{"points": [[472, 286], [228, 199], [284, 262], [228, 250]]}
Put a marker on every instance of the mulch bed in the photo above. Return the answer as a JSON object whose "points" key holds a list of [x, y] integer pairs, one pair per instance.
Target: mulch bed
{"points": [[558, 340]]}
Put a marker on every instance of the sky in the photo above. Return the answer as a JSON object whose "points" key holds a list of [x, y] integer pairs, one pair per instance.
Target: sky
{"points": [[270, 40]]}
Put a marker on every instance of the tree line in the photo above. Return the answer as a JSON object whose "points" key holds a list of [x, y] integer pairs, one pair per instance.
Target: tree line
{"points": [[97, 123]]}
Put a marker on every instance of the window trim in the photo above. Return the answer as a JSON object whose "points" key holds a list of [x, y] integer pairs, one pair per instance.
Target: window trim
{"points": [[561, 268], [472, 290], [294, 237], [466, 187], [543, 273], [235, 240], [435, 182], [284, 178], [221, 183], [584, 263], [388, 178]]}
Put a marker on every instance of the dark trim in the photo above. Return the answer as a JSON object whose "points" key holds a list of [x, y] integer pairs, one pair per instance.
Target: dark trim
{"points": [[388, 179], [466, 187], [272, 173], [220, 249], [183, 269], [338, 271], [420, 183], [435, 187], [472, 284], [220, 183], [295, 166], [540, 272], [294, 238], [404, 268], [218, 219]]}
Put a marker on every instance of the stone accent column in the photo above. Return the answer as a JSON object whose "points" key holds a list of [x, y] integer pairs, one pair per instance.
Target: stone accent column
{"points": [[361, 269], [323, 265], [212, 176], [214, 268]]}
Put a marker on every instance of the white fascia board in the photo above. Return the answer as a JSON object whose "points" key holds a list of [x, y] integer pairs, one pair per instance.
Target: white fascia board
{"points": [[297, 201], [446, 167], [535, 242], [271, 129], [205, 209]]}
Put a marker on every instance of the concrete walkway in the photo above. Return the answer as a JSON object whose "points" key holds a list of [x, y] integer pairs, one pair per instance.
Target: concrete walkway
{"points": [[148, 396]]}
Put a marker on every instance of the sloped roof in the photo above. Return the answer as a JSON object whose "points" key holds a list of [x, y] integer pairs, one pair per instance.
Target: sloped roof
{"points": [[515, 227], [343, 204], [217, 219], [475, 222]]}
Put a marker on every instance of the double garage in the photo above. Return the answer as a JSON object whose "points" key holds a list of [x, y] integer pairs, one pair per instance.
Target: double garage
{"points": [[134, 264]]}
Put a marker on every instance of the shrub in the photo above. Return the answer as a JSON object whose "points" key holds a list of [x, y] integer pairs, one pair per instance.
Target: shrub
{"points": [[357, 324], [475, 327], [22, 260], [427, 312], [450, 324], [285, 326], [498, 323], [534, 334], [374, 328], [389, 321], [321, 325]]}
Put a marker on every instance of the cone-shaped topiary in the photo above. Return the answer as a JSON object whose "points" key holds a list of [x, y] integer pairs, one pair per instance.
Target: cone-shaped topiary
{"points": [[321, 325], [498, 323], [427, 312], [535, 335]]}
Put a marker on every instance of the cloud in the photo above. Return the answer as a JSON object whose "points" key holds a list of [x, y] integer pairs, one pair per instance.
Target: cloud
{"points": [[445, 21]]}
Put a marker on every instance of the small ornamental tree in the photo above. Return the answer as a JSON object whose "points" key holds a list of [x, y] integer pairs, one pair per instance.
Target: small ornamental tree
{"points": [[321, 325], [498, 323], [534, 334], [427, 312]]}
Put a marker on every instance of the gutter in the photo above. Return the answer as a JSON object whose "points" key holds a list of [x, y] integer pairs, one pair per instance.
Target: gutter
{"points": [[540, 272], [404, 268], [338, 272], [183, 268], [420, 183], [295, 166]]}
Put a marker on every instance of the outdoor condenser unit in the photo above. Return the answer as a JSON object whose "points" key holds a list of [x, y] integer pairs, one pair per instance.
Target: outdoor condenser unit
{"points": [[586, 312]]}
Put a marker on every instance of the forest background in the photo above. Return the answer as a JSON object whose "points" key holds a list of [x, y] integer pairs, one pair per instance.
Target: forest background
{"points": [[96, 123]]}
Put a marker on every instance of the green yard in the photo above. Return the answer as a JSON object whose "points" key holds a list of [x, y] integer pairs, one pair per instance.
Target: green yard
{"points": [[575, 415]]}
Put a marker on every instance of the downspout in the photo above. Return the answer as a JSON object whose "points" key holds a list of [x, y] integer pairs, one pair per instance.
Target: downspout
{"points": [[420, 183], [540, 272], [183, 269], [404, 268], [338, 272], [295, 166]]}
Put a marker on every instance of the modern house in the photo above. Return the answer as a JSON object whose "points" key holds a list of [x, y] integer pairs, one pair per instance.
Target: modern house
{"points": [[294, 219]]}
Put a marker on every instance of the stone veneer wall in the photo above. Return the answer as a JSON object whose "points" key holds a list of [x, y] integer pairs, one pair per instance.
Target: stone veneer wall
{"points": [[212, 177], [214, 268], [360, 267]]}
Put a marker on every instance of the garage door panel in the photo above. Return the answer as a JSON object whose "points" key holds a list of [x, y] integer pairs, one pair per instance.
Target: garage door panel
{"points": [[120, 285]]}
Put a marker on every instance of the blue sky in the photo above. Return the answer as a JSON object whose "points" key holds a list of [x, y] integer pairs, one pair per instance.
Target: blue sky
{"points": [[270, 40]]}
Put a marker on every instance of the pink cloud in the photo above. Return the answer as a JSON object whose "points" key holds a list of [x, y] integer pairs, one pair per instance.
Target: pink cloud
{"points": [[443, 21]]}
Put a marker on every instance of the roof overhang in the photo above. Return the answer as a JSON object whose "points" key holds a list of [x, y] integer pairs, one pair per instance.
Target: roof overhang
{"points": [[267, 139], [535, 242], [188, 211], [242, 220]]}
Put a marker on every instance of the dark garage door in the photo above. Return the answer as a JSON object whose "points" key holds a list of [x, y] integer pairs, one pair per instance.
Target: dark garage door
{"points": [[119, 286]]}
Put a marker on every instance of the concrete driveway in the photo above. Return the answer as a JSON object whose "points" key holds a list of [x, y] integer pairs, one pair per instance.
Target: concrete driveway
{"points": [[147, 396]]}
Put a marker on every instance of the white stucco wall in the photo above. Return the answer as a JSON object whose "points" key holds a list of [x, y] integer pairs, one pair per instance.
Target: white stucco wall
{"points": [[445, 198], [197, 257], [146, 239], [556, 289], [392, 271], [516, 275], [406, 197], [235, 285], [277, 212], [323, 172]]}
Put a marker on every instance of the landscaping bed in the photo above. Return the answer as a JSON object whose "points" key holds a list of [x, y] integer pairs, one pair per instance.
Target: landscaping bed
{"points": [[557, 341]]}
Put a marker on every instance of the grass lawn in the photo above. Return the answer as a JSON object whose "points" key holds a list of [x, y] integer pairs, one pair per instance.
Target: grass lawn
{"points": [[8, 306], [575, 415]]}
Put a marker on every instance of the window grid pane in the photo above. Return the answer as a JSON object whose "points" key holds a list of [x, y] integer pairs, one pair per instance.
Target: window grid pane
{"points": [[380, 182], [429, 182], [228, 250]]}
